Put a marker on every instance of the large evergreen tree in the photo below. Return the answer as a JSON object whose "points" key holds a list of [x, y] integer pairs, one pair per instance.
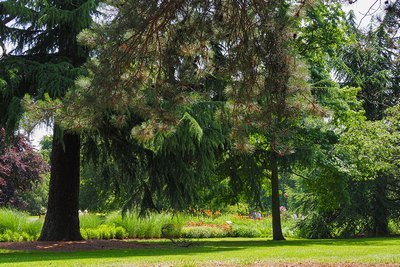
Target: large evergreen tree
{"points": [[155, 59], [46, 58], [371, 62]]}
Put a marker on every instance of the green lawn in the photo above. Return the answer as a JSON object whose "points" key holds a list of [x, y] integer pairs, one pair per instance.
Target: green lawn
{"points": [[230, 251]]}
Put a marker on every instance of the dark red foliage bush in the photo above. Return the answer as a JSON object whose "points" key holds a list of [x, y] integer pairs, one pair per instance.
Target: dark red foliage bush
{"points": [[21, 166]]}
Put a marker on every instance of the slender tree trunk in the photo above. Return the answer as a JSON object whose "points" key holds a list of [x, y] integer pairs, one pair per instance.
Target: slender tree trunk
{"points": [[381, 213], [276, 215], [62, 218]]}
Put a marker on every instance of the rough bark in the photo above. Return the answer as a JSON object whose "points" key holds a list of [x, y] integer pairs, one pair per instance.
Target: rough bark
{"points": [[276, 215], [62, 218]]}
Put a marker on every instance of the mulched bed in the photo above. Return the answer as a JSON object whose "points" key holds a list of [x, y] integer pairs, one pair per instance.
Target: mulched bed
{"points": [[74, 245]]}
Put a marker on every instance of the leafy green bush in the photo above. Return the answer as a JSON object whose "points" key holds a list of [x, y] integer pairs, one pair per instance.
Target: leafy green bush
{"points": [[7, 236], [27, 237], [107, 231], [120, 233], [170, 231], [245, 231], [84, 234], [90, 233], [10, 236]]}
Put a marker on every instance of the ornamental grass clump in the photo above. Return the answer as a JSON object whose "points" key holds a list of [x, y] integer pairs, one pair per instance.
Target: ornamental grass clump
{"points": [[135, 226], [89, 220], [33, 228], [245, 231], [11, 220], [203, 232], [16, 226]]}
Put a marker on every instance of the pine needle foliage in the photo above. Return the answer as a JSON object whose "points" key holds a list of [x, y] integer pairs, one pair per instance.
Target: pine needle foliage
{"points": [[38, 62], [155, 59], [371, 62], [159, 58], [165, 172], [44, 63]]}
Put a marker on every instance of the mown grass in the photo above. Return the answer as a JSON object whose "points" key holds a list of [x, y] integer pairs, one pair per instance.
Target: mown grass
{"points": [[238, 251]]}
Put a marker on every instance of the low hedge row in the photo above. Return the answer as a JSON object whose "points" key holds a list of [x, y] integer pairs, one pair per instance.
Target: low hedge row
{"points": [[17, 226]]}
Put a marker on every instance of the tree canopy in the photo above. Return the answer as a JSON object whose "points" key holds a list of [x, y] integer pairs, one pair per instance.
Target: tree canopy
{"points": [[175, 104]]}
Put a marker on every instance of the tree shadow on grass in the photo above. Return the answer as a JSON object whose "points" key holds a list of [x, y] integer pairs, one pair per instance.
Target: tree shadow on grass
{"points": [[378, 241], [160, 249]]}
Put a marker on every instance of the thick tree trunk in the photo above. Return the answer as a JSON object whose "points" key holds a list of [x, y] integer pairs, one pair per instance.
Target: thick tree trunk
{"points": [[381, 213], [276, 215], [62, 218]]}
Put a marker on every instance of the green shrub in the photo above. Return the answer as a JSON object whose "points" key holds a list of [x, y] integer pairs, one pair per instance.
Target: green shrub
{"points": [[6, 236], [10, 236], [26, 237], [171, 231], [84, 234], [140, 228], [107, 231], [245, 231], [120, 233], [90, 233]]}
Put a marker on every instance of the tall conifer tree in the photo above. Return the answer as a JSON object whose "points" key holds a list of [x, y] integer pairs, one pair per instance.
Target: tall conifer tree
{"points": [[46, 59], [156, 56]]}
